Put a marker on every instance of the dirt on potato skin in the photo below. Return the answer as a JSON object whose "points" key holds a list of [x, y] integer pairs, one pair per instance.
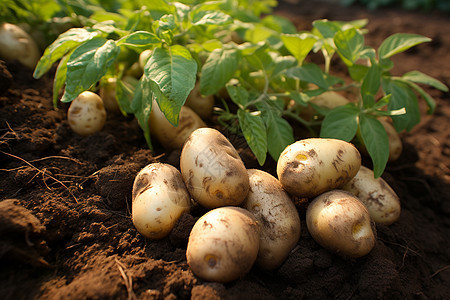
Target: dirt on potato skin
{"points": [[73, 195]]}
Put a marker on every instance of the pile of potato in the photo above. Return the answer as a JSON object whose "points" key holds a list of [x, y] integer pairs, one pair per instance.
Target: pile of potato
{"points": [[251, 218]]}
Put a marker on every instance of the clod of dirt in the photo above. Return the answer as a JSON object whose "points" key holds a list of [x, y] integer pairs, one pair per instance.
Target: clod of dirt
{"points": [[21, 235]]}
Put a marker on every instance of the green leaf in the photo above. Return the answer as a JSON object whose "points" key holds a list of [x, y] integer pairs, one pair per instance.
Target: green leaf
{"points": [[141, 106], [428, 99], [419, 77], [370, 85], [60, 78], [218, 70], [313, 74], [299, 45], [403, 97], [254, 131], [357, 71], [124, 94], [87, 64], [376, 141], [399, 42], [279, 131], [65, 43], [281, 64], [350, 45], [211, 17], [173, 72], [327, 28], [238, 94], [139, 39], [340, 123]]}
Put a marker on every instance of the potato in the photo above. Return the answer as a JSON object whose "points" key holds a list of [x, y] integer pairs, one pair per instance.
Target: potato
{"points": [[277, 215], [380, 199], [159, 198], [203, 106], [310, 167], [86, 114], [213, 170], [395, 143], [16, 44], [143, 58], [339, 222], [327, 100], [223, 244], [169, 136], [108, 94]]}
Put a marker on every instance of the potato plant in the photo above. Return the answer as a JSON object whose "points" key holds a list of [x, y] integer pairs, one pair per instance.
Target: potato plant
{"points": [[260, 61]]}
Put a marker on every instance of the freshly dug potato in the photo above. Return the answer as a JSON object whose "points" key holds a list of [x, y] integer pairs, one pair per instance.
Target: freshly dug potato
{"points": [[143, 57], [223, 244], [86, 114], [159, 198], [277, 215], [339, 222], [395, 143], [108, 94], [203, 106], [310, 167], [213, 170], [380, 199], [16, 44], [168, 135]]}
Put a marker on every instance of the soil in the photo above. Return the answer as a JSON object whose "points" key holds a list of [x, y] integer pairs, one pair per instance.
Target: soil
{"points": [[65, 226]]}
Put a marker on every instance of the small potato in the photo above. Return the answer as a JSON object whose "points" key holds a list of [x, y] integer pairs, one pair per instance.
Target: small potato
{"points": [[277, 215], [223, 244], [203, 106], [339, 222], [380, 199], [16, 44], [169, 136], [395, 143], [310, 167], [159, 198], [213, 170], [86, 114], [327, 100], [108, 94]]}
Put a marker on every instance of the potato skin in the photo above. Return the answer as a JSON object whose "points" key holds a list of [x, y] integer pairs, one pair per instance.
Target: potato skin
{"points": [[310, 167], [159, 198], [380, 199], [203, 106], [15, 43], [339, 222], [277, 215], [395, 143], [212, 169], [223, 244], [169, 136], [86, 114]]}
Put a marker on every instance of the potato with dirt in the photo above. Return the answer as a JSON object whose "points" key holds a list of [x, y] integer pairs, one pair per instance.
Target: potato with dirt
{"points": [[202, 105], [277, 215], [16, 44], [173, 137], [223, 244], [380, 199], [310, 167], [86, 114], [339, 222], [159, 198], [212, 169]]}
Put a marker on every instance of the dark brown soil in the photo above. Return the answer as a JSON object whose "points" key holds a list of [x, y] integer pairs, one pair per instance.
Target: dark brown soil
{"points": [[65, 227]]}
